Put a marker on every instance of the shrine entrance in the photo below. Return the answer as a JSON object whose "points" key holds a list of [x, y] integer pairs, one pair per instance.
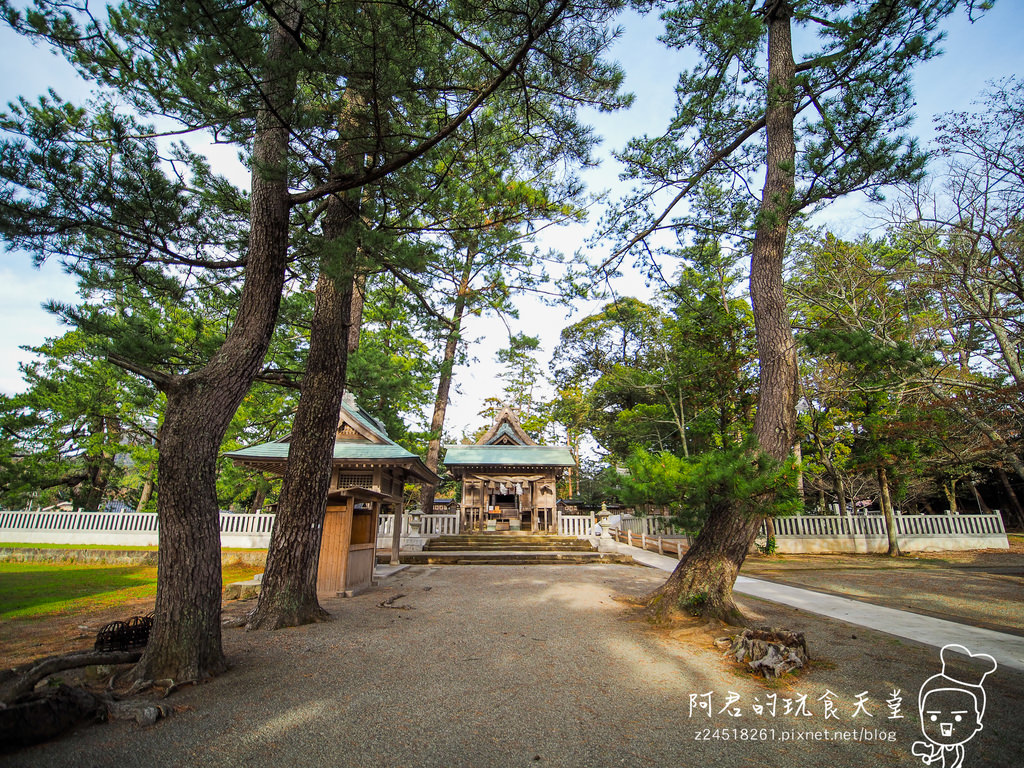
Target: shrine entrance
{"points": [[509, 483]]}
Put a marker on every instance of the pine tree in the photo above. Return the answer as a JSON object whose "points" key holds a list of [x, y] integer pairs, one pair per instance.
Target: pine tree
{"points": [[820, 127]]}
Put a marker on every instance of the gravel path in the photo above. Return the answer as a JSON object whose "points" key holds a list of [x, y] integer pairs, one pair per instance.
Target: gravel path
{"points": [[532, 665]]}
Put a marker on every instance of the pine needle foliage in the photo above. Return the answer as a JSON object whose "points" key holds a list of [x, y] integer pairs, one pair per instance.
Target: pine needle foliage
{"points": [[736, 476]]}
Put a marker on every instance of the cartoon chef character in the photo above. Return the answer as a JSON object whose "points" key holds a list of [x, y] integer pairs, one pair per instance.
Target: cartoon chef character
{"points": [[951, 705]]}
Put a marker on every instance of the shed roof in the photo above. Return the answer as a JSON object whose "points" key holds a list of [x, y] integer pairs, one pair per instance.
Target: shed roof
{"points": [[349, 450], [361, 440]]}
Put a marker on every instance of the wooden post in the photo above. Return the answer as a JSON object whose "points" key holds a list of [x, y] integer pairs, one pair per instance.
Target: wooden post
{"points": [[661, 547], [396, 533], [534, 512]]}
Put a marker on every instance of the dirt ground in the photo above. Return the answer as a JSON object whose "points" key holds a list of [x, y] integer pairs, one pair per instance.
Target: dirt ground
{"points": [[538, 665], [23, 640], [984, 588]]}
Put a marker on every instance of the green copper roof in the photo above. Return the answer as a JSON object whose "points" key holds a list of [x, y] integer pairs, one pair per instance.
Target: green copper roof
{"points": [[342, 450], [364, 417], [511, 455]]}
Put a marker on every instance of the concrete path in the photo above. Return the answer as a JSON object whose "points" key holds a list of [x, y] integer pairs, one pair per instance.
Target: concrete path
{"points": [[1008, 650]]}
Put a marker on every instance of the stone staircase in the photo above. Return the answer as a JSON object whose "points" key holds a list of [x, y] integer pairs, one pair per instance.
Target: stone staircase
{"points": [[508, 541], [509, 548]]}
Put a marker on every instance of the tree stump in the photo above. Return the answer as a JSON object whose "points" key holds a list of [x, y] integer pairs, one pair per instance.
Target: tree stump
{"points": [[770, 651]]}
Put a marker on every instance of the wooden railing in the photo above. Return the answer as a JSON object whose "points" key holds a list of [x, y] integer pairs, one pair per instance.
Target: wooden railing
{"points": [[670, 545], [651, 525], [430, 525]]}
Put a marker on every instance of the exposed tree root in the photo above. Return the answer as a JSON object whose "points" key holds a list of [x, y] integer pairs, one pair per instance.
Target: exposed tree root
{"points": [[22, 679], [281, 618], [29, 716], [697, 594], [41, 716]]}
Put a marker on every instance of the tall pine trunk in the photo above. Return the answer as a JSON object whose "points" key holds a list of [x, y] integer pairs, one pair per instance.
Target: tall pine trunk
{"points": [[702, 582], [185, 642], [444, 384], [840, 494], [949, 490], [1012, 496], [887, 512], [288, 595], [147, 491]]}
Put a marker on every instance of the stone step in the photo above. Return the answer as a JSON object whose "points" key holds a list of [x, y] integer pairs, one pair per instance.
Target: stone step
{"points": [[511, 558], [471, 542], [507, 538], [451, 546]]}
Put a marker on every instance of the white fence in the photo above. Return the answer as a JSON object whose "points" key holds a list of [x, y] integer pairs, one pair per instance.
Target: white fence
{"points": [[575, 525], [866, 533], [129, 529], [805, 533], [429, 525]]}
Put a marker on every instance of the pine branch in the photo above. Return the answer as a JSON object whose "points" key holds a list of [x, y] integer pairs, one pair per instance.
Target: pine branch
{"points": [[159, 378], [402, 159]]}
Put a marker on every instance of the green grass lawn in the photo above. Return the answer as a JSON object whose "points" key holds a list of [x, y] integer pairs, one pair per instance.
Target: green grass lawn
{"points": [[107, 547], [36, 590]]}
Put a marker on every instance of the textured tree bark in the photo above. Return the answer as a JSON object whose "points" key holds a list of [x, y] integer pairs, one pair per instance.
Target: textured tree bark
{"points": [[288, 593], [949, 490], [702, 582], [887, 512], [1012, 496], [185, 642], [444, 383], [147, 491]]}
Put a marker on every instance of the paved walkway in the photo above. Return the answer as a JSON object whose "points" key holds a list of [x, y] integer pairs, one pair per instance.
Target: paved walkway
{"points": [[1008, 650]]}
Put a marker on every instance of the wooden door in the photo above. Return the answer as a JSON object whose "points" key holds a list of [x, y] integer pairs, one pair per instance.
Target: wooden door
{"points": [[334, 549]]}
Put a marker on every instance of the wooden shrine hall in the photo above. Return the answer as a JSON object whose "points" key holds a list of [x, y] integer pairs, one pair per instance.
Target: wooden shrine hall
{"points": [[509, 482], [369, 473]]}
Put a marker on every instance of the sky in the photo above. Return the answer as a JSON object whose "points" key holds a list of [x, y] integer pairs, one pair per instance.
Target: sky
{"points": [[974, 54]]}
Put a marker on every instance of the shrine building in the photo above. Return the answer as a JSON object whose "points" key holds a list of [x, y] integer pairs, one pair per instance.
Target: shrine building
{"points": [[509, 482]]}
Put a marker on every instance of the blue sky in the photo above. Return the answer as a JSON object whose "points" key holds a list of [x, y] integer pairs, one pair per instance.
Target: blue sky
{"points": [[974, 55]]}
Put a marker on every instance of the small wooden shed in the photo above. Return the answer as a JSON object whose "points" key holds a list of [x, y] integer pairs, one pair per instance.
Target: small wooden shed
{"points": [[369, 474]]}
